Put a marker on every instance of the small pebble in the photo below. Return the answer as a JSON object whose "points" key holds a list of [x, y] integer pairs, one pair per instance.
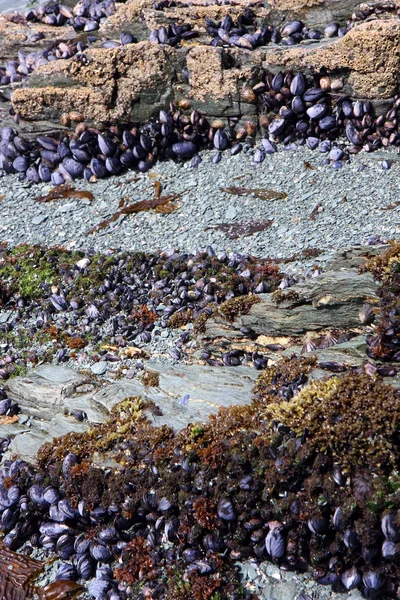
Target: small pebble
{"points": [[99, 368]]}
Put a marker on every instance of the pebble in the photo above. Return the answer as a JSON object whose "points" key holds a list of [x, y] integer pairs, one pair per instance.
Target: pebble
{"points": [[99, 368], [39, 219], [230, 213]]}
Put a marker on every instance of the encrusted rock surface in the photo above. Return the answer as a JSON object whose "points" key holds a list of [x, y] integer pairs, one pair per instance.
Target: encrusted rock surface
{"points": [[332, 300], [132, 83]]}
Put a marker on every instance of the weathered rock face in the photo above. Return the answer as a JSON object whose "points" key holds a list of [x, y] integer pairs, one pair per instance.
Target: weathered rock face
{"points": [[131, 83], [49, 395], [332, 300]]}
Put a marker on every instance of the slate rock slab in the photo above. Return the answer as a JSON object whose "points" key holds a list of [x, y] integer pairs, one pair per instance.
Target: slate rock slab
{"points": [[42, 391], [330, 301], [209, 388]]}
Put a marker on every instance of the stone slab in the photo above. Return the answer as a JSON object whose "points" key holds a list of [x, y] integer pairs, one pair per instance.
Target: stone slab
{"points": [[42, 391], [209, 388], [25, 446], [330, 301]]}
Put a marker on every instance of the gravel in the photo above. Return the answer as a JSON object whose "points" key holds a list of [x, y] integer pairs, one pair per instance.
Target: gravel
{"points": [[351, 202]]}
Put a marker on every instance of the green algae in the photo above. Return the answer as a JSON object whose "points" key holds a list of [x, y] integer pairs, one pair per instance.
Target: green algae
{"points": [[27, 268]]}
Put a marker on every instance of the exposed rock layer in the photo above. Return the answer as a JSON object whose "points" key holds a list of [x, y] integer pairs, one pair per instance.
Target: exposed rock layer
{"points": [[131, 83]]}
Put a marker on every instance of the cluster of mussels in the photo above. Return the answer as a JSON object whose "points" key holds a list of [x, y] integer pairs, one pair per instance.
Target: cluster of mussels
{"points": [[173, 34], [126, 298], [306, 115], [297, 112], [87, 15], [26, 63], [8, 410], [228, 33], [367, 10], [183, 509]]}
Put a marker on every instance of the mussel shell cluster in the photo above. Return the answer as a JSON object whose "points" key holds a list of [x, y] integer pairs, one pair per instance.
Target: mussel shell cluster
{"points": [[8, 408], [169, 285], [87, 15], [26, 63], [228, 33], [173, 34]]}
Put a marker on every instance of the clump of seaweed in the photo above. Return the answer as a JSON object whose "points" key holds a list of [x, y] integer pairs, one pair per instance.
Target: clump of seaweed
{"points": [[123, 421], [231, 309], [137, 561], [353, 419], [280, 296], [150, 378], [179, 319]]}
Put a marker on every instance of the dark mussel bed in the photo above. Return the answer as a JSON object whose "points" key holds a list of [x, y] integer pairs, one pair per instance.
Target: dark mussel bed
{"points": [[297, 112], [169, 522], [78, 299]]}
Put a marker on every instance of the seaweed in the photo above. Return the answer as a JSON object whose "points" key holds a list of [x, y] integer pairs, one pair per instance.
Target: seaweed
{"points": [[17, 572], [231, 309], [161, 204], [354, 418], [260, 193], [65, 191]]}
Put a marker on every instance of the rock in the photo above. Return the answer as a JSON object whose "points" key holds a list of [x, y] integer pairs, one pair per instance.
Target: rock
{"points": [[99, 368], [39, 219], [330, 301], [25, 446], [351, 353], [354, 257], [61, 425], [85, 403], [5, 315], [132, 82], [42, 391], [141, 89], [231, 213], [209, 388]]}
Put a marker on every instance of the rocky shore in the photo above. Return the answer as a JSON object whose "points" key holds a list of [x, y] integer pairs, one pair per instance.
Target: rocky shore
{"points": [[199, 300]]}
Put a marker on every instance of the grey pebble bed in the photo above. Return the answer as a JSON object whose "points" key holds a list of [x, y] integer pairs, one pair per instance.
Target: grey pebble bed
{"points": [[352, 204]]}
